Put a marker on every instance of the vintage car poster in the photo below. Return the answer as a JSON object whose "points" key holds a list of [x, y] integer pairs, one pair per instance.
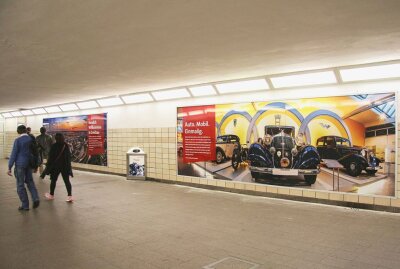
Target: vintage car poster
{"points": [[86, 136], [299, 143]]}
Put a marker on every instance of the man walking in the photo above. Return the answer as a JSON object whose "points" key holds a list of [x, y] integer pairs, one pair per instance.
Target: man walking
{"points": [[44, 142], [20, 156]]}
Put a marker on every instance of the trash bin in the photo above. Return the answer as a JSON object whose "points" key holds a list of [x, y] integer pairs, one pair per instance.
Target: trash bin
{"points": [[136, 164]]}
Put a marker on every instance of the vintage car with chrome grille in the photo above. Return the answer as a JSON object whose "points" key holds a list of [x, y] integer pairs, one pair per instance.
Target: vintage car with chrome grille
{"points": [[354, 159], [280, 153]]}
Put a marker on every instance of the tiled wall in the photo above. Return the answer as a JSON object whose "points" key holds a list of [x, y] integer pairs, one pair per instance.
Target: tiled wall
{"points": [[9, 141], [158, 143], [1, 145], [160, 146]]}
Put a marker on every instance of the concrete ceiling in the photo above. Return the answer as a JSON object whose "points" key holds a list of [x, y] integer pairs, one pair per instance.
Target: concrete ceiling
{"points": [[54, 51]]}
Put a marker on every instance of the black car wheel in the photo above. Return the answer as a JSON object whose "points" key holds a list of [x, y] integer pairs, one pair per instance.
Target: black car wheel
{"points": [[353, 169], [371, 172], [310, 179], [255, 175], [235, 159], [219, 156]]}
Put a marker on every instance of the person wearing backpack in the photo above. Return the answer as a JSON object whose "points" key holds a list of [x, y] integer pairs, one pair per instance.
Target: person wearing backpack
{"points": [[24, 159]]}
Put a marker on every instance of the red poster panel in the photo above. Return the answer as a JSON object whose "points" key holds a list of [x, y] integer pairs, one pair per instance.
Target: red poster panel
{"points": [[198, 133], [96, 134]]}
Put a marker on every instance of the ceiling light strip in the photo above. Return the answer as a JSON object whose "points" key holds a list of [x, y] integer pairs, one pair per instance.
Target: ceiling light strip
{"points": [[38, 111], [386, 71], [7, 115], [305, 79], [53, 109], [137, 98], [170, 94], [16, 114], [242, 86], [87, 104], [110, 101], [27, 112], [69, 107], [204, 90]]}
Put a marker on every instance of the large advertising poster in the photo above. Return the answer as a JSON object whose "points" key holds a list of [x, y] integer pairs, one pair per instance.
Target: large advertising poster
{"points": [[343, 143], [86, 136]]}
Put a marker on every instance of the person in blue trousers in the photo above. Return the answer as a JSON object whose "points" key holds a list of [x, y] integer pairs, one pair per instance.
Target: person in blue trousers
{"points": [[20, 157]]}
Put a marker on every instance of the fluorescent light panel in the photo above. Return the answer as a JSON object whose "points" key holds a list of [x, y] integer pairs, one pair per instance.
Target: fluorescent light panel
{"points": [[26, 112], [137, 98], [242, 86], [308, 79], [171, 94], [202, 90], [370, 72], [38, 111], [52, 109], [68, 107], [112, 101], [16, 114], [7, 115], [87, 104]]}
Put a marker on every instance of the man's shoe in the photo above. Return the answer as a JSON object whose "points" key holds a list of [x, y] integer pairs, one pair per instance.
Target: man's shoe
{"points": [[49, 196], [23, 209], [36, 204]]}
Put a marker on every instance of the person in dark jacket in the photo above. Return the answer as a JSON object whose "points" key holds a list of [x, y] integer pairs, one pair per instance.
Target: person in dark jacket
{"points": [[20, 157], [44, 142], [59, 162]]}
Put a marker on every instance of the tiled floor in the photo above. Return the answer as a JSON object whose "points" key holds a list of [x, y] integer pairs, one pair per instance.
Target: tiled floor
{"points": [[116, 223]]}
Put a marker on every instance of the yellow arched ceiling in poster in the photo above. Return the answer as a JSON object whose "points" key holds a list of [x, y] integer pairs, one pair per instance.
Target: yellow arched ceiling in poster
{"points": [[237, 125], [276, 117], [325, 126]]}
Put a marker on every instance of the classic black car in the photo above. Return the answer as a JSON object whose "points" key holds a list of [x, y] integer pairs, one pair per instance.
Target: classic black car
{"points": [[279, 153], [354, 159], [239, 155]]}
